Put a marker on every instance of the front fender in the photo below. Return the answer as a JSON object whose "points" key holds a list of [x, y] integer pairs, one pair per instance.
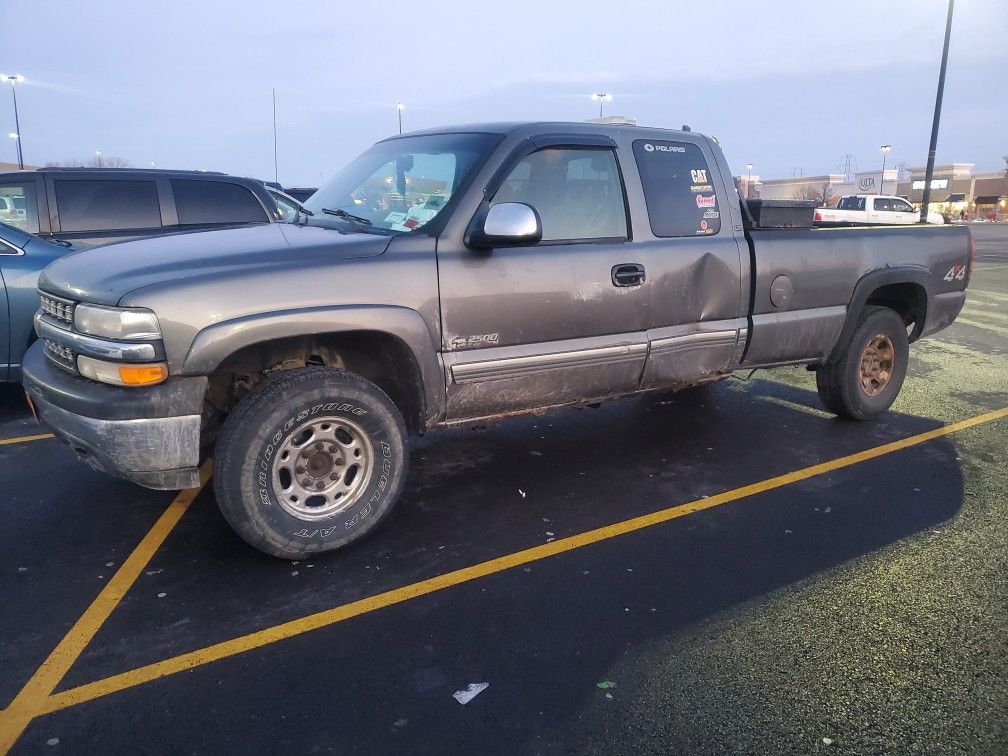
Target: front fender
{"points": [[217, 342]]}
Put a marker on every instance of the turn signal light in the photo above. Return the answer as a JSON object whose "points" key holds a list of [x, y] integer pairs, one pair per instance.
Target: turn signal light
{"points": [[122, 374], [142, 375]]}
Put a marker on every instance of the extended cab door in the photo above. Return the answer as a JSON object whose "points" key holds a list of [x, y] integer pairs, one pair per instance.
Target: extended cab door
{"points": [[690, 238], [553, 322]]}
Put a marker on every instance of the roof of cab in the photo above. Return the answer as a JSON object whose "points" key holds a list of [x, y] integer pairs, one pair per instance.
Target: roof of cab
{"points": [[545, 127]]}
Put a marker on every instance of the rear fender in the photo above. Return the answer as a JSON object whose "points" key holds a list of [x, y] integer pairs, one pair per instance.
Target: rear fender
{"points": [[871, 282]]}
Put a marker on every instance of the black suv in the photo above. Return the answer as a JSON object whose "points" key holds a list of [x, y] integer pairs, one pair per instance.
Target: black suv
{"points": [[88, 206]]}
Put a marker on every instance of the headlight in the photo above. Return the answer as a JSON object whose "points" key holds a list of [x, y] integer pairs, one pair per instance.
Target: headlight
{"points": [[116, 322], [122, 374]]}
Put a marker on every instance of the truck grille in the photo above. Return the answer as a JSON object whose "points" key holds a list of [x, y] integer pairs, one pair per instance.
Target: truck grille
{"points": [[61, 355], [60, 310]]}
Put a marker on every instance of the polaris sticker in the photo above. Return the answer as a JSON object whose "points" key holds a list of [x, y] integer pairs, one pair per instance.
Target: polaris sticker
{"points": [[648, 147]]}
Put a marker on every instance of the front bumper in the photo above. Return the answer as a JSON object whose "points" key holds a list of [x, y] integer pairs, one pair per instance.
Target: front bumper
{"points": [[150, 436]]}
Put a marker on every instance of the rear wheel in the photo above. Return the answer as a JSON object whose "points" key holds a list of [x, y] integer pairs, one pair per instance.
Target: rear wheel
{"points": [[865, 379], [310, 461]]}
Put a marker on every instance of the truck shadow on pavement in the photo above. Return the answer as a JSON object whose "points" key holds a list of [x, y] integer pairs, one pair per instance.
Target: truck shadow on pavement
{"points": [[542, 635]]}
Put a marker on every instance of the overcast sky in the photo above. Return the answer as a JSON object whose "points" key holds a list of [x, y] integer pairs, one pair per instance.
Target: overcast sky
{"points": [[788, 86]]}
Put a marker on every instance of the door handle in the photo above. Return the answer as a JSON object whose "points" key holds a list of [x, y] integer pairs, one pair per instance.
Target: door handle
{"points": [[628, 274]]}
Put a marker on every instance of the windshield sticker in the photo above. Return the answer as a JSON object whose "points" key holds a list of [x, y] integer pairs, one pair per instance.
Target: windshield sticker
{"points": [[699, 176], [703, 200], [698, 188]]}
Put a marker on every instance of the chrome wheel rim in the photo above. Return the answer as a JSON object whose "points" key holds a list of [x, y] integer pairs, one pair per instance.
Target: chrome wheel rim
{"points": [[877, 364], [322, 467]]}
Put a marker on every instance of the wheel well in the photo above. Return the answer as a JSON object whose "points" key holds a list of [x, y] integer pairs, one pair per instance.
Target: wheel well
{"points": [[383, 359], [909, 300]]}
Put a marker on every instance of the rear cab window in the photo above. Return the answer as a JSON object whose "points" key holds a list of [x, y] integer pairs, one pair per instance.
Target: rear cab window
{"points": [[106, 205], [19, 205], [851, 203], [201, 202], [678, 188]]}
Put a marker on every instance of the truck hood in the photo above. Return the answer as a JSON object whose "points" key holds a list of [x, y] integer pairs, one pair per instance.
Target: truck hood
{"points": [[105, 275]]}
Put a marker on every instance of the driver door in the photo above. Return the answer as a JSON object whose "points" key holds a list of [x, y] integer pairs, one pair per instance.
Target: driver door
{"points": [[542, 324]]}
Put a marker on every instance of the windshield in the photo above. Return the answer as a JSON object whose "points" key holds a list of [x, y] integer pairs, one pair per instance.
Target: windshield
{"points": [[402, 184]]}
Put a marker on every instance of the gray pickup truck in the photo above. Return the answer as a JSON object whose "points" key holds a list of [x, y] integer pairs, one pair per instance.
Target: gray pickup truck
{"points": [[454, 275]]}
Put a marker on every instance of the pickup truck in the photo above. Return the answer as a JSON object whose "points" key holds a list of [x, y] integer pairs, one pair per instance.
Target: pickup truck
{"points": [[873, 209], [450, 276]]}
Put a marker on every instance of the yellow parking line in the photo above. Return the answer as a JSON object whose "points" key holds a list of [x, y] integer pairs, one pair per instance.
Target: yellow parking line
{"points": [[984, 326], [982, 293], [31, 700], [267, 636], [23, 439]]}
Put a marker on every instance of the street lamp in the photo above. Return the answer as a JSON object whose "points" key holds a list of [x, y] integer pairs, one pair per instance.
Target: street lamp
{"points": [[885, 151], [15, 79], [399, 109], [602, 97], [748, 182]]}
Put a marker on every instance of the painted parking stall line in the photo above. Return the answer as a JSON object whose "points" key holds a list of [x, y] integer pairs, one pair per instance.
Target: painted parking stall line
{"points": [[26, 439], [329, 617], [31, 700]]}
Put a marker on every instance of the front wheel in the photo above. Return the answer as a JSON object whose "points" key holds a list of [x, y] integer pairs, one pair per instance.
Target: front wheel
{"points": [[865, 379], [310, 461]]}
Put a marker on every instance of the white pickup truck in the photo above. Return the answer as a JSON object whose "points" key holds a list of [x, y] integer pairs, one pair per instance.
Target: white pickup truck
{"points": [[872, 209]]}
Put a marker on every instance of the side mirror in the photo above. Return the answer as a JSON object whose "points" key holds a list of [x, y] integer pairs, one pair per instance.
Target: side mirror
{"points": [[507, 224]]}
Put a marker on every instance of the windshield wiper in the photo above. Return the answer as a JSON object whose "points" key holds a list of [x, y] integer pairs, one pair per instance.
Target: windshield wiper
{"points": [[339, 212]]}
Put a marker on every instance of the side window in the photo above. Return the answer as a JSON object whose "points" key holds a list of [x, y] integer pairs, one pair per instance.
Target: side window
{"points": [[884, 205], [903, 206], [678, 188], [201, 202], [577, 192], [86, 205], [19, 207]]}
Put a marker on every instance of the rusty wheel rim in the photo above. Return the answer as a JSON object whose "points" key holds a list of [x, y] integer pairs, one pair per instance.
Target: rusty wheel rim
{"points": [[877, 364]]}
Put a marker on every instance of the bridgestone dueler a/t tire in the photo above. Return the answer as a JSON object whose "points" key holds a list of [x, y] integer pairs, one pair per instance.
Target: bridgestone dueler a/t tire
{"points": [[251, 439], [839, 381]]}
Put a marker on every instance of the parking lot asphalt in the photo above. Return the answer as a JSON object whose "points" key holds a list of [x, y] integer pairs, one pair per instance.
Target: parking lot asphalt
{"points": [[858, 606]]}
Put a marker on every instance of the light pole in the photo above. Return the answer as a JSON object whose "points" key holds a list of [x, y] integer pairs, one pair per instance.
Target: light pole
{"points": [[399, 109], [15, 79], [748, 182], [602, 97], [929, 173], [885, 151], [276, 165], [98, 153]]}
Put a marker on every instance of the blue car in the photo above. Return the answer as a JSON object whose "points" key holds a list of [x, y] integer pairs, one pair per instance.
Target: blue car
{"points": [[22, 257]]}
